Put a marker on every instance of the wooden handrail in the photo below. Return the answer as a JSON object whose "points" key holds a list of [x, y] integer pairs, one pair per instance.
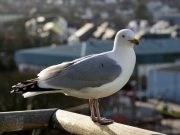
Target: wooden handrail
{"points": [[64, 120], [24, 120]]}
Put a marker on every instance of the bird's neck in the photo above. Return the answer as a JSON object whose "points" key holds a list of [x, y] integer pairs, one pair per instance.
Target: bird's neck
{"points": [[123, 52], [118, 48]]}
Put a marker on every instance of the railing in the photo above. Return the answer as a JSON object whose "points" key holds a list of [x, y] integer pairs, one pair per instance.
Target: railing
{"points": [[63, 120]]}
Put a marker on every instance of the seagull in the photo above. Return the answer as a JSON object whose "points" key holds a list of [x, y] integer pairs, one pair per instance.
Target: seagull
{"points": [[90, 77]]}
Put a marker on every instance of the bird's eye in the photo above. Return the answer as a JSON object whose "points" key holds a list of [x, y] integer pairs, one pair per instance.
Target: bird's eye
{"points": [[123, 36]]}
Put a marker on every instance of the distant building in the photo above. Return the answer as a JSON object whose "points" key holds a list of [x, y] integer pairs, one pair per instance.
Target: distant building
{"points": [[104, 15], [104, 32], [88, 14], [173, 18], [38, 58], [92, 31], [109, 34], [4, 18], [43, 27], [163, 83], [82, 33], [159, 9], [159, 29], [110, 1], [155, 51], [100, 30]]}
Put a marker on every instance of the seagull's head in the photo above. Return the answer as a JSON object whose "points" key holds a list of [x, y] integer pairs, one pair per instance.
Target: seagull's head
{"points": [[126, 37]]}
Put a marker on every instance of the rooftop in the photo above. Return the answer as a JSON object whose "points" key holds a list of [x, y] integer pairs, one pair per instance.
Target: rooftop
{"points": [[174, 68], [148, 51]]}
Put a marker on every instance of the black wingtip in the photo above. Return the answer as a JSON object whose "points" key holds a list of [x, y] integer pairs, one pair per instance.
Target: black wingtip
{"points": [[14, 87], [25, 86], [17, 88], [28, 86], [12, 91]]}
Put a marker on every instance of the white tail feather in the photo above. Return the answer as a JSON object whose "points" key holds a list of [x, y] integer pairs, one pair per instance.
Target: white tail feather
{"points": [[31, 94]]}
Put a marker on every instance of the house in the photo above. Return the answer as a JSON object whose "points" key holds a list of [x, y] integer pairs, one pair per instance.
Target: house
{"points": [[46, 27], [4, 18], [100, 30], [158, 9], [151, 52], [82, 33], [163, 83], [38, 58]]}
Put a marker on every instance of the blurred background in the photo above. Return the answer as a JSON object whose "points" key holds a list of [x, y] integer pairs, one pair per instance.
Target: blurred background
{"points": [[35, 34]]}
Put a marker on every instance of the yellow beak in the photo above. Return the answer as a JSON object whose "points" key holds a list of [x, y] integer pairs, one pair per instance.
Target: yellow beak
{"points": [[134, 41]]}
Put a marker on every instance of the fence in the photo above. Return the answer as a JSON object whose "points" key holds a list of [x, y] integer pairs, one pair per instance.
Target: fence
{"points": [[63, 120]]}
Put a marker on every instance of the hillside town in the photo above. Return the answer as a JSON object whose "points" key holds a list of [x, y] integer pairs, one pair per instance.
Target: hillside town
{"points": [[39, 33]]}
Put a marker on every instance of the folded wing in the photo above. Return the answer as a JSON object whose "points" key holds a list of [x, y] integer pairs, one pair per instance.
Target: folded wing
{"points": [[92, 71]]}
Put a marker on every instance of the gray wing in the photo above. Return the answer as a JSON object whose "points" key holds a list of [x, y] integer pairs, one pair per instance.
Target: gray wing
{"points": [[91, 72], [52, 71]]}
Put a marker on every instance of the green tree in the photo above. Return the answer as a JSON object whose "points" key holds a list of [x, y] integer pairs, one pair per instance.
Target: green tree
{"points": [[142, 12]]}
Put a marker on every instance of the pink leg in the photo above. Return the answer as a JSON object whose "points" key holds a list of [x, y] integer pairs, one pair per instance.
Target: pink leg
{"points": [[91, 104], [102, 121]]}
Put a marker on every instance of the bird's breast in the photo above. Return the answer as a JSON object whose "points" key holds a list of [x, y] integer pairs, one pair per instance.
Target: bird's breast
{"points": [[127, 65]]}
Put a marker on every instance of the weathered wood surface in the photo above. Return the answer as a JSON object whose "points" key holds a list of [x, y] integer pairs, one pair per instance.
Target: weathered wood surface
{"points": [[23, 120], [64, 120]]}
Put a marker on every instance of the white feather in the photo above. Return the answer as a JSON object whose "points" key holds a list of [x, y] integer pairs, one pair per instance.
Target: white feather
{"points": [[31, 94], [44, 73]]}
